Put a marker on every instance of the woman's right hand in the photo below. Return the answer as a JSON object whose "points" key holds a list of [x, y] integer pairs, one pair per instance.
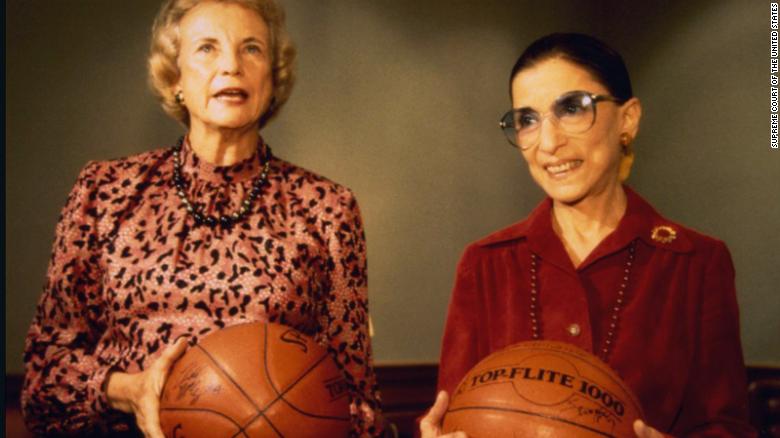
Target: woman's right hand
{"points": [[430, 425], [139, 393]]}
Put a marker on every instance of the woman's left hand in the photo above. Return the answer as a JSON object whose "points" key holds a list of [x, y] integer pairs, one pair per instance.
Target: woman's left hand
{"points": [[644, 431], [430, 426], [139, 393]]}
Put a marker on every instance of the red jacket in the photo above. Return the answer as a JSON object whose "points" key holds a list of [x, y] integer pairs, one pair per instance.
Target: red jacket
{"points": [[677, 344]]}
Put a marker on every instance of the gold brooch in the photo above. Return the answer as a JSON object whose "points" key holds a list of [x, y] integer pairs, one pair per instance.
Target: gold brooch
{"points": [[663, 234]]}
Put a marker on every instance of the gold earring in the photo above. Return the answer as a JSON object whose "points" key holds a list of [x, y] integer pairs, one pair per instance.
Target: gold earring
{"points": [[179, 96], [625, 143]]}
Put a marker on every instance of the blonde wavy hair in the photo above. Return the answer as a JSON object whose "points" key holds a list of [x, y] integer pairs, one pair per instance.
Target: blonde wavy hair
{"points": [[164, 71]]}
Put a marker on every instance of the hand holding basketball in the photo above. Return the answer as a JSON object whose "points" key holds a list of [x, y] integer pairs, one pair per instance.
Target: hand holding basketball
{"points": [[139, 393], [430, 426], [642, 430]]}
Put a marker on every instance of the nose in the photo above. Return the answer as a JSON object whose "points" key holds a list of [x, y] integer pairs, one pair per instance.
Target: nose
{"points": [[550, 136], [230, 63]]}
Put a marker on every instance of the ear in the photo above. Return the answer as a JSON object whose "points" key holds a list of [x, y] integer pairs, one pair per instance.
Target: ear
{"points": [[631, 113]]}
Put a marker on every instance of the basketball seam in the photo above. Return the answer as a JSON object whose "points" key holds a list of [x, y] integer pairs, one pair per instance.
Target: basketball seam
{"points": [[292, 384], [280, 395], [219, 366], [268, 420], [261, 412], [308, 414], [520, 411], [265, 367], [240, 429]]}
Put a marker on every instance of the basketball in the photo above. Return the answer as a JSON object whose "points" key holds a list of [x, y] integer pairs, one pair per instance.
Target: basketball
{"points": [[255, 380], [542, 388]]}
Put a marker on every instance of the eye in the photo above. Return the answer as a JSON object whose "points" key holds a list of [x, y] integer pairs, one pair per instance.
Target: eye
{"points": [[571, 106], [206, 48], [254, 49], [525, 120]]}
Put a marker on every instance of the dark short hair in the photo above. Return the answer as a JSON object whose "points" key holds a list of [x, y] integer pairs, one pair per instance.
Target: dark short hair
{"points": [[603, 62]]}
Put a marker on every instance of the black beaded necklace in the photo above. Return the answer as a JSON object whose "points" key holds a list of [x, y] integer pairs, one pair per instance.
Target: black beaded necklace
{"points": [[535, 310], [225, 221]]}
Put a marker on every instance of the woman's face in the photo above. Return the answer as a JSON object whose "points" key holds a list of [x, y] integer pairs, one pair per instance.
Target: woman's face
{"points": [[225, 65], [572, 167]]}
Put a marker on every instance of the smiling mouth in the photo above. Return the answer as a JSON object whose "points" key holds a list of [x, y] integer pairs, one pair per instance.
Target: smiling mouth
{"points": [[560, 170]]}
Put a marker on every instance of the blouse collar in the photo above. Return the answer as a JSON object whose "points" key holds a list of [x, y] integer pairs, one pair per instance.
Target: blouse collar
{"points": [[199, 169], [640, 221]]}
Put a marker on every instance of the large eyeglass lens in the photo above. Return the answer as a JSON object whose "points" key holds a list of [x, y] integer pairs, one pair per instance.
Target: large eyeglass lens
{"points": [[518, 126], [573, 112]]}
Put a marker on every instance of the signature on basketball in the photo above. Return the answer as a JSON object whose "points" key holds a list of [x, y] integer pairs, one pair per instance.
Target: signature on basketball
{"points": [[582, 410], [295, 337], [192, 386]]}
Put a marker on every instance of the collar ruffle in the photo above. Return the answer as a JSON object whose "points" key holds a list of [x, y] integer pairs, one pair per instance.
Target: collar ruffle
{"points": [[198, 169]]}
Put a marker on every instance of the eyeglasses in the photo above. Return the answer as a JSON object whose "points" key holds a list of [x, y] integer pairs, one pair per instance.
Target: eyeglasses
{"points": [[573, 112]]}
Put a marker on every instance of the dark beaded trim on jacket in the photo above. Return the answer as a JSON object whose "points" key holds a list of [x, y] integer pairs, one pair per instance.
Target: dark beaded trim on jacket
{"points": [[225, 221], [535, 311]]}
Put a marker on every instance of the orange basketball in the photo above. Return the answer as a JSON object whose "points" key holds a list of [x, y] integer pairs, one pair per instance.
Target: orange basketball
{"points": [[542, 388], [255, 380]]}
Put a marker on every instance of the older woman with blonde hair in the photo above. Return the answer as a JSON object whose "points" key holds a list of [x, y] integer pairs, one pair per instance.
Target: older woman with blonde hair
{"points": [[163, 247]]}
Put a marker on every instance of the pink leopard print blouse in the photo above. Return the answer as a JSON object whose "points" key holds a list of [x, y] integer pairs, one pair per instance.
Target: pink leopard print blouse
{"points": [[130, 273]]}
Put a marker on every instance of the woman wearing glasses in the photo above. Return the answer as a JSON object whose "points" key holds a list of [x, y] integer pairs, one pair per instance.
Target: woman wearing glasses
{"points": [[594, 264]]}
